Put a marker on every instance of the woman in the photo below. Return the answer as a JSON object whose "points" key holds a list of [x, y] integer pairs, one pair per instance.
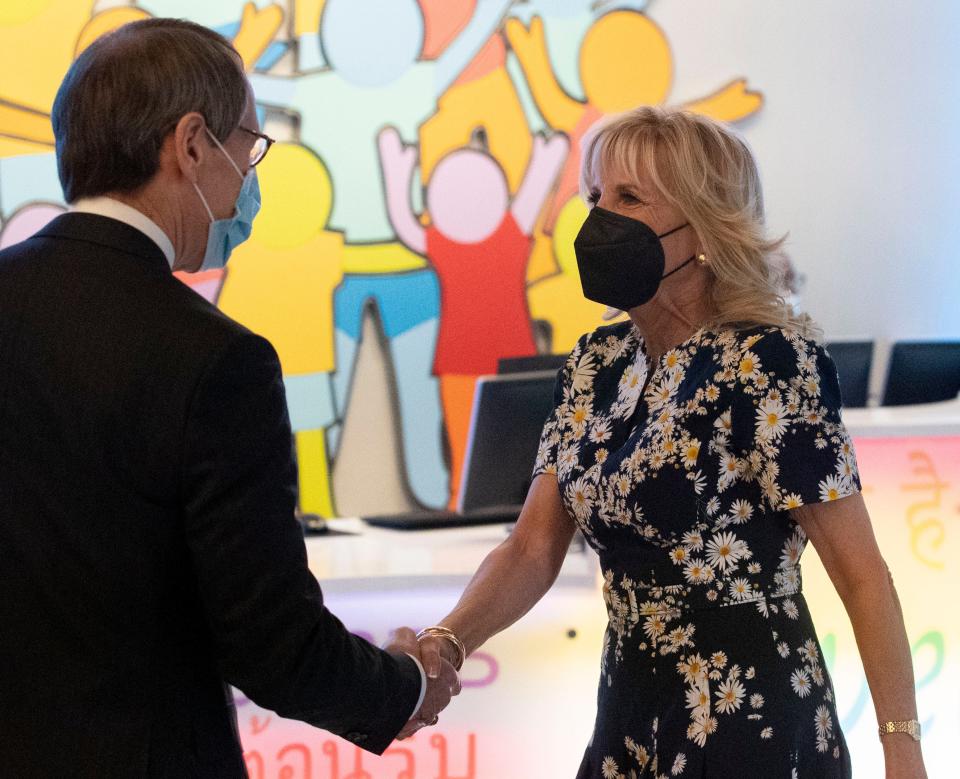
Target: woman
{"points": [[698, 446]]}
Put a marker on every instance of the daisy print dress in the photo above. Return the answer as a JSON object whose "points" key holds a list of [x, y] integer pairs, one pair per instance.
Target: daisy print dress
{"points": [[681, 476]]}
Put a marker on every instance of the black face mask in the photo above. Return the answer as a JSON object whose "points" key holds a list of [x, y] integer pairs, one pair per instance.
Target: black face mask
{"points": [[620, 259]]}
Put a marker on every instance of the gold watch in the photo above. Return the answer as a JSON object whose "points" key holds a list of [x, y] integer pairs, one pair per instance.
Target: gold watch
{"points": [[911, 726]]}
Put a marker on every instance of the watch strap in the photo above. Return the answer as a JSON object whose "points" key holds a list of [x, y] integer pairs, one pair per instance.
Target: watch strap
{"points": [[911, 727]]}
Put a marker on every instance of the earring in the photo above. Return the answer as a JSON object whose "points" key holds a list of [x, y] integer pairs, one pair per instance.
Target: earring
{"points": [[702, 259]]}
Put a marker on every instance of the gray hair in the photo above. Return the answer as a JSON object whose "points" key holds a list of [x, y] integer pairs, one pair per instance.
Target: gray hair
{"points": [[126, 92]]}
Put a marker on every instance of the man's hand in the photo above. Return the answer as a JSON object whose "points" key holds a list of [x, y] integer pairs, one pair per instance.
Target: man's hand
{"points": [[439, 692], [443, 681], [403, 640]]}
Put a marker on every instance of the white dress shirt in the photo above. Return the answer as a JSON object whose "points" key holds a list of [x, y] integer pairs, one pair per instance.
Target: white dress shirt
{"points": [[423, 684], [114, 209]]}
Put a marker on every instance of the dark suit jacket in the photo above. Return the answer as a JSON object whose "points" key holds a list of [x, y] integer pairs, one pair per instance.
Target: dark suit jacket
{"points": [[149, 552]]}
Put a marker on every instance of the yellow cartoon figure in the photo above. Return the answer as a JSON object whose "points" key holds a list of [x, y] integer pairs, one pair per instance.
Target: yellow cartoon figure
{"points": [[625, 61], [483, 96], [27, 96], [280, 284], [66, 28]]}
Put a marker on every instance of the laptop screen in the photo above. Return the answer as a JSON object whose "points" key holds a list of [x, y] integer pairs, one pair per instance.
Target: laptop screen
{"points": [[509, 412]]}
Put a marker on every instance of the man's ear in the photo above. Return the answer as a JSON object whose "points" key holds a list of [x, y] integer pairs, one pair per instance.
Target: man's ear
{"points": [[190, 144]]}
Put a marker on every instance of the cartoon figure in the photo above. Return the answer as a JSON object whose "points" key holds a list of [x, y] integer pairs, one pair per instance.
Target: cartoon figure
{"points": [[565, 24], [482, 97], [251, 35], [406, 296], [32, 72], [478, 243], [67, 27], [28, 168], [624, 62], [306, 22], [23, 130], [106, 22], [373, 74], [441, 74], [255, 32], [372, 68], [281, 284]]}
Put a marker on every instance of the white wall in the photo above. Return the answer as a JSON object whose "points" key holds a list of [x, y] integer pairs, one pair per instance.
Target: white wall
{"points": [[857, 143]]}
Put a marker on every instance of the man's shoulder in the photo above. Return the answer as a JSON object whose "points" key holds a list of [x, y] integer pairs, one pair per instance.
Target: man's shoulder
{"points": [[202, 331], [198, 312], [119, 292]]}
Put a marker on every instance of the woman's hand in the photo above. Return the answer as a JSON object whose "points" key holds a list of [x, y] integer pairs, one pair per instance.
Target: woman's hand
{"points": [[433, 649]]}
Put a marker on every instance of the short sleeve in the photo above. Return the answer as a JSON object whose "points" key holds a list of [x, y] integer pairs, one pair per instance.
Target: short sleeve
{"points": [[788, 410], [550, 438]]}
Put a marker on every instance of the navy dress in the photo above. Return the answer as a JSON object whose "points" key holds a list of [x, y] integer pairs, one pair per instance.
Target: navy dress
{"points": [[681, 476]]}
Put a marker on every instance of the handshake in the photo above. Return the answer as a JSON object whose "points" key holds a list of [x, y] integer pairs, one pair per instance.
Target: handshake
{"points": [[441, 656]]}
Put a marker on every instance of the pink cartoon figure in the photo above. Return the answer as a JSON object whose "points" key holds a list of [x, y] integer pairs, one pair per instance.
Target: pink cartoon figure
{"points": [[478, 242]]}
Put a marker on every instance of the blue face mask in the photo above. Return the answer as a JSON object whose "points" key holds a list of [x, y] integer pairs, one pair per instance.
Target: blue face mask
{"points": [[225, 235]]}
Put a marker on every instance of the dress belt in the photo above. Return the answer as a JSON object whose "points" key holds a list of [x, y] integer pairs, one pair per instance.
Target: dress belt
{"points": [[646, 597]]}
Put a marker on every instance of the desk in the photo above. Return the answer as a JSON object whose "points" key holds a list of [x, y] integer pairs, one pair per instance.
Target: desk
{"points": [[528, 703]]}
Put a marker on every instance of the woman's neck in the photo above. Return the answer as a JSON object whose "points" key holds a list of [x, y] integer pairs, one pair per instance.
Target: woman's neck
{"points": [[664, 327]]}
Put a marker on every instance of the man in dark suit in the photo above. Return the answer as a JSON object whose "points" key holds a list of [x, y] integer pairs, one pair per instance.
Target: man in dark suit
{"points": [[149, 552]]}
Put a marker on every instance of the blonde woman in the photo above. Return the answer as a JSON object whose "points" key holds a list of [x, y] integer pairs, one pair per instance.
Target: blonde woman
{"points": [[698, 446]]}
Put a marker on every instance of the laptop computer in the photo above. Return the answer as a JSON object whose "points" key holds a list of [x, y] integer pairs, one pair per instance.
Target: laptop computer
{"points": [[508, 415]]}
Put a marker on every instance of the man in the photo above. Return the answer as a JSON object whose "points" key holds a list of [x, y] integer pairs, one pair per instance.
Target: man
{"points": [[149, 553]]}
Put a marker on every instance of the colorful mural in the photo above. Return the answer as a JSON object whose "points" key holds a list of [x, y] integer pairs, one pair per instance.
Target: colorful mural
{"points": [[426, 175]]}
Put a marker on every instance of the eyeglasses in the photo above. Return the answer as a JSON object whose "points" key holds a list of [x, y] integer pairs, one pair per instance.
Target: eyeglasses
{"points": [[260, 148]]}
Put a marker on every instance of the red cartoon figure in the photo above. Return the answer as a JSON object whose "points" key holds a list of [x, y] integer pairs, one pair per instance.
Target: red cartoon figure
{"points": [[478, 242]]}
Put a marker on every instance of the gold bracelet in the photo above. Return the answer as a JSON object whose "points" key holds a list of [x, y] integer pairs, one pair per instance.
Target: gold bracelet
{"points": [[438, 631], [910, 726]]}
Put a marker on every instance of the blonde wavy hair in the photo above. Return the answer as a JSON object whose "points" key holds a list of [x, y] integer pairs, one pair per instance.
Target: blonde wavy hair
{"points": [[705, 169]]}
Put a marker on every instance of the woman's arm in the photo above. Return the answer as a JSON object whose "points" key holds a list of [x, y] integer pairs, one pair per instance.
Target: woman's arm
{"points": [[841, 533], [512, 578]]}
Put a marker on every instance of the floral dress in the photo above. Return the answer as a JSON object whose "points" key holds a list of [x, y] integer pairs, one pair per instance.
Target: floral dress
{"points": [[682, 481]]}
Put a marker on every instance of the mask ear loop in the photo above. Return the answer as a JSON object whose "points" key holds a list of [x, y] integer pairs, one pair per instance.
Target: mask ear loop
{"points": [[675, 229], [232, 164], [204, 201], [701, 258], [681, 265], [220, 146]]}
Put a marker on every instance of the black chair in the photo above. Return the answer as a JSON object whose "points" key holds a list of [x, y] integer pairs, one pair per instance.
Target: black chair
{"points": [[536, 362], [922, 372], [853, 360]]}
